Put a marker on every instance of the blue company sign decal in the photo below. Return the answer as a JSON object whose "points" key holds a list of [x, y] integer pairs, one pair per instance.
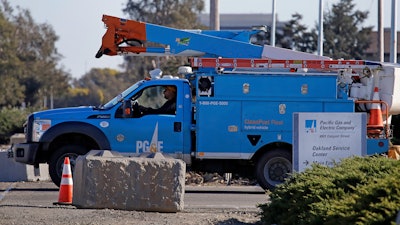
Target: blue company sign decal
{"points": [[311, 126]]}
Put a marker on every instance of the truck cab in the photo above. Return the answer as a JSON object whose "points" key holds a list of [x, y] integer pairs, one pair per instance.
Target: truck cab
{"points": [[118, 125]]}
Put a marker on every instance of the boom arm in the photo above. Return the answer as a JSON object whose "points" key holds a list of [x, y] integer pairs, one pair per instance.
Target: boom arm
{"points": [[128, 36], [131, 37]]}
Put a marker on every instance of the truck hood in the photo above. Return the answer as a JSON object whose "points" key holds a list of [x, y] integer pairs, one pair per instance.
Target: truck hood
{"points": [[72, 113]]}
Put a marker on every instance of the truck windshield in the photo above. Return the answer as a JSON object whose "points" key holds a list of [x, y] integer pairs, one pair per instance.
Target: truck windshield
{"points": [[122, 95]]}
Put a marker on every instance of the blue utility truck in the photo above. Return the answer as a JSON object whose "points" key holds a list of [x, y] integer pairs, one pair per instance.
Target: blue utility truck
{"points": [[234, 104]]}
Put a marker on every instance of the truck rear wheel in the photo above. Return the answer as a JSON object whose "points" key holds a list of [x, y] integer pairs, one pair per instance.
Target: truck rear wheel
{"points": [[56, 161], [273, 167]]}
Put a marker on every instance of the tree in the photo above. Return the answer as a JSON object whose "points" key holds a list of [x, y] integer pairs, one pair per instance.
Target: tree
{"points": [[344, 36], [11, 90], [95, 88], [28, 59], [178, 14], [171, 13], [296, 37]]}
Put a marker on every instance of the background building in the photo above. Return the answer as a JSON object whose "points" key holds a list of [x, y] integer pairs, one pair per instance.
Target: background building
{"points": [[372, 51], [240, 21]]}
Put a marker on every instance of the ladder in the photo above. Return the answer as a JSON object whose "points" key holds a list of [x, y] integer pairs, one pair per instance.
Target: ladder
{"points": [[293, 65]]}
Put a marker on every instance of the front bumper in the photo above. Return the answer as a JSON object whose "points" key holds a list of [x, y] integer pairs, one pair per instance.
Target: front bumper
{"points": [[25, 152]]}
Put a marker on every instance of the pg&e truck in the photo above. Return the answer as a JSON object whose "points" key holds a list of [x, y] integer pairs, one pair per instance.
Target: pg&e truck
{"points": [[234, 106]]}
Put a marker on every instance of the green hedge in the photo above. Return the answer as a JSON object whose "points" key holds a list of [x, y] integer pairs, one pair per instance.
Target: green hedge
{"points": [[11, 122], [359, 190]]}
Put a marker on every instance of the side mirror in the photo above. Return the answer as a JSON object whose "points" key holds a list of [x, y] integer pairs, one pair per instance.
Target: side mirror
{"points": [[127, 109]]}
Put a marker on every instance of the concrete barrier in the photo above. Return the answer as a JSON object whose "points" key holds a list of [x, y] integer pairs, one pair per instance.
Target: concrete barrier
{"points": [[105, 179], [11, 171]]}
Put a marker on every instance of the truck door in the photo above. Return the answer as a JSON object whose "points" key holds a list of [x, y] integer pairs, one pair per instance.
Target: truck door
{"points": [[150, 129]]}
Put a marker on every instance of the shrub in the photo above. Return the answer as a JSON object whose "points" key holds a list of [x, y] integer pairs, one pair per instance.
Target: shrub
{"points": [[358, 190], [11, 122]]}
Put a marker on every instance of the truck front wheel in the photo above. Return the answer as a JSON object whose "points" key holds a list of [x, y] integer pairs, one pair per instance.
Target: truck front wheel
{"points": [[273, 167], [56, 161]]}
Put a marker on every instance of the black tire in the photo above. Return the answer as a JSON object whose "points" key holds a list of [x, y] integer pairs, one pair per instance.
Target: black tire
{"points": [[273, 167], [56, 161]]}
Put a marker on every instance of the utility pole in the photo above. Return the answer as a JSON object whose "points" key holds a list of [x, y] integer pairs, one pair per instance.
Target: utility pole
{"points": [[214, 15], [381, 37], [51, 98], [393, 39], [321, 28], [273, 31]]}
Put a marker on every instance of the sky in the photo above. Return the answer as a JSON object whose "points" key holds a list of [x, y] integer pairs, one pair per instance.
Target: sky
{"points": [[80, 29]]}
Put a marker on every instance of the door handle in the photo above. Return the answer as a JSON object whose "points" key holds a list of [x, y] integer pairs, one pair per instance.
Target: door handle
{"points": [[177, 126]]}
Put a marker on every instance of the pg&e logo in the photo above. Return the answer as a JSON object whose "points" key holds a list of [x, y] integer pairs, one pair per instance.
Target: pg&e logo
{"points": [[310, 126]]}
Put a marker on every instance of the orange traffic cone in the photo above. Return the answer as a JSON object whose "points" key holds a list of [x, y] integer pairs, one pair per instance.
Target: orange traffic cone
{"points": [[66, 185], [375, 123]]}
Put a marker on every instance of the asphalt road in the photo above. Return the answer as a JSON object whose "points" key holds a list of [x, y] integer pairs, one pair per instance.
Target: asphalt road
{"points": [[222, 197], [33, 203]]}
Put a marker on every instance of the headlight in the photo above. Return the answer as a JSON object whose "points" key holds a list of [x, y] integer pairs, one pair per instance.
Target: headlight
{"points": [[39, 127]]}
